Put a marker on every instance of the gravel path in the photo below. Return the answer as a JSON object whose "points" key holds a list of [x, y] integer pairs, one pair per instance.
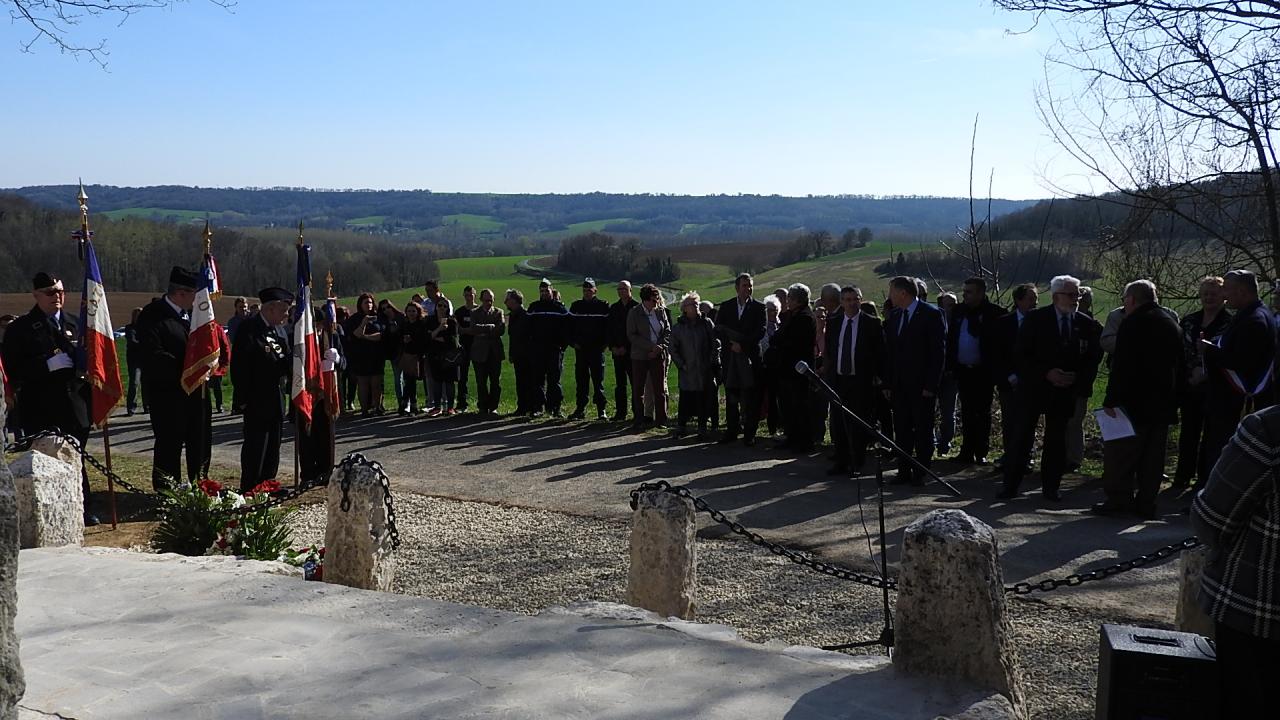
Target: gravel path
{"points": [[525, 560]]}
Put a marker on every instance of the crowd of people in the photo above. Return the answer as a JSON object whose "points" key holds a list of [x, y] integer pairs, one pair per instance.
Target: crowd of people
{"points": [[927, 375]]}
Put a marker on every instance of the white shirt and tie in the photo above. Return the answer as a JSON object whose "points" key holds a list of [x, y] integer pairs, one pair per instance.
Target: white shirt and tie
{"points": [[847, 345]]}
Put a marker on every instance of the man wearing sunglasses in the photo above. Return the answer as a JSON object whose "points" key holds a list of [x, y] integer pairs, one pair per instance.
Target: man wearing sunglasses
{"points": [[39, 355]]}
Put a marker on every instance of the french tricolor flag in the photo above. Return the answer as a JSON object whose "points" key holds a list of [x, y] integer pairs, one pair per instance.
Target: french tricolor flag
{"points": [[306, 349], [97, 341], [206, 342]]}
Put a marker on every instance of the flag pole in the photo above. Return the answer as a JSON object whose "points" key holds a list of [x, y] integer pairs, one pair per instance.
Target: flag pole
{"points": [[84, 236], [297, 418], [206, 438]]}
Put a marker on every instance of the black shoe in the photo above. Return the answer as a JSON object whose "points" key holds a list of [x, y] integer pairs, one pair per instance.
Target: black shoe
{"points": [[1006, 494], [1109, 508], [601, 414], [964, 459], [129, 413], [980, 460], [838, 470], [749, 440], [578, 415], [1146, 514], [1051, 495], [90, 520], [727, 438], [1072, 467]]}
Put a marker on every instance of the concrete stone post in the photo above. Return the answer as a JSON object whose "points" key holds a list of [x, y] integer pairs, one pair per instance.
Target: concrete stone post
{"points": [[12, 682], [951, 614], [50, 501], [358, 550], [1190, 617], [56, 447], [663, 576]]}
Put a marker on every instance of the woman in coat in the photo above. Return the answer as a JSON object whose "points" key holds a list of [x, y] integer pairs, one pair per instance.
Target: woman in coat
{"points": [[694, 349], [649, 330], [443, 358], [794, 343], [413, 337], [366, 356]]}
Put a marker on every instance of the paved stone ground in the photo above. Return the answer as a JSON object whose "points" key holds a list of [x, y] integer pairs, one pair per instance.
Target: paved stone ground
{"points": [[588, 468], [111, 634]]}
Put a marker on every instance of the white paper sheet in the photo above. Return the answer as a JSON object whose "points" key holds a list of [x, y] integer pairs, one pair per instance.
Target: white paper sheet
{"points": [[1114, 428]]}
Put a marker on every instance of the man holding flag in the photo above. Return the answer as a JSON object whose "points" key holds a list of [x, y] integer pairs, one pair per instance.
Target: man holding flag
{"points": [[259, 366]]}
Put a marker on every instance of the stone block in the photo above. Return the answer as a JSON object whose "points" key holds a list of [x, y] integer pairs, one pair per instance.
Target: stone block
{"points": [[663, 574], [56, 447], [12, 681], [1190, 616], [50, 501], [951, 616], [358, 550]]}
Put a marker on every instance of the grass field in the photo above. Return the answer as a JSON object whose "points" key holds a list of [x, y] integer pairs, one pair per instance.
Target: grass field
{"points": [[367, 220], [165, 214], [477, 223]]}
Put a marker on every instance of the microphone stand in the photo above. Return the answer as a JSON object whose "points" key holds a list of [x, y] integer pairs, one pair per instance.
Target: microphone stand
{"points": [[886, 634]]}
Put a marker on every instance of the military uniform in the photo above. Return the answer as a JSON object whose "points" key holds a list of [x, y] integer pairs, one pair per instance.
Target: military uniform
{"points": [[178, 419], [548, 326], [260, 365], [46, 398]]}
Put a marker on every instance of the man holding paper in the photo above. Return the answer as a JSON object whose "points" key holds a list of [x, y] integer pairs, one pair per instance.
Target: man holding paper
{"points": [[1145, 369]]}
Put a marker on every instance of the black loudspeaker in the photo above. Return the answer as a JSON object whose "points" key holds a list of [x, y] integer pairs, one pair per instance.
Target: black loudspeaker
{"points": [[1147, 674]]}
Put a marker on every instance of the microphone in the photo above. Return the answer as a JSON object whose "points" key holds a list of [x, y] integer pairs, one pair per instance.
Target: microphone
{"points": [[803, 368]]}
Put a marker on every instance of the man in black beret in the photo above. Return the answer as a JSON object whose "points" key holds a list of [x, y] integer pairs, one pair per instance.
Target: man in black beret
{"points": [[39, 356], [590, 333], [548, 326], [178, 420], [260, 364]]}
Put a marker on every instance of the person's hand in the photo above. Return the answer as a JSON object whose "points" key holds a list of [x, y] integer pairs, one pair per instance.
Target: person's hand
{"points": [[1060, 378], [735, 346], [1111, 412], [59, 361]]}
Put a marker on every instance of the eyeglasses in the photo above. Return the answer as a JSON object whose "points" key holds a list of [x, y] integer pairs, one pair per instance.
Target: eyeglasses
{"points": [[53, 292], [1069, 294]]}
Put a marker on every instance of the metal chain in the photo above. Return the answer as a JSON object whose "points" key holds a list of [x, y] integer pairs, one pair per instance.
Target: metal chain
{"points": [[794, 556], [347, 464], [1021, 588], [26, 442], [1073, 580]]}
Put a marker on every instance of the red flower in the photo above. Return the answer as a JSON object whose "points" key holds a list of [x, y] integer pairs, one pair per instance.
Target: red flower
{"points": [[266, 486], [321, 552], [233, 524], [210, 487], [222, 543]]}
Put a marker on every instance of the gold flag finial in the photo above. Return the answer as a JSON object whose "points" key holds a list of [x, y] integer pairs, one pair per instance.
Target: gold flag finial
{"points": [[82, 236], [299, 232], [208, 237], [328, 284], [82, 197]]}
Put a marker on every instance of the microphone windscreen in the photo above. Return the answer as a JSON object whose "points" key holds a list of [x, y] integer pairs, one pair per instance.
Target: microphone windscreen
{"points": [[802, 367]]}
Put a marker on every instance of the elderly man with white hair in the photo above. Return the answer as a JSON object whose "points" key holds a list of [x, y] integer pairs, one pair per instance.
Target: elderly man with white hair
{"points": [[1056, 356]]}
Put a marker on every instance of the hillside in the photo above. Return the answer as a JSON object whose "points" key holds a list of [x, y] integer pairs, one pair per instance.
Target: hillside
{"points": [[455, 218]]}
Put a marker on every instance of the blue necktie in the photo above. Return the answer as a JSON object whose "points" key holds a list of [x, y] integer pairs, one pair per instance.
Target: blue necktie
{"points": [[1066, 328]]}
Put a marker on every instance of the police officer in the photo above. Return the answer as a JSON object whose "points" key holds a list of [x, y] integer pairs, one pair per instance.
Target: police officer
{"points": [[590, 334], [39, 355], [178, 419], [260, 364], [548, 325]]}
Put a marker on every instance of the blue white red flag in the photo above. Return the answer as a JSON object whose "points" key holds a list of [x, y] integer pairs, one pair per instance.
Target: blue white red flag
{"points": [[206, 342], [97, 342], [306, 350]]}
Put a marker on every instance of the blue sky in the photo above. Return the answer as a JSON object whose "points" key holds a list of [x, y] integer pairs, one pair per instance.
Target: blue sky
{"points": [[677, 97]]}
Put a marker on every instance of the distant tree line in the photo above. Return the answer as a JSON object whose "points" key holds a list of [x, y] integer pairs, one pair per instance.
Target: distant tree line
{"points": [[604, 256], [1018, 262], [820, 243], [136, 254]]}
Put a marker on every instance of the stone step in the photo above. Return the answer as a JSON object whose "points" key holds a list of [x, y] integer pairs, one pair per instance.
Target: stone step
{"points": [[114, 634]]}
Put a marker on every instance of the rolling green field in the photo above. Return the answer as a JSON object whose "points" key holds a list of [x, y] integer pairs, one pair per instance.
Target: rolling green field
{"points": [[367, 220], [478, 223], [166, 214]]}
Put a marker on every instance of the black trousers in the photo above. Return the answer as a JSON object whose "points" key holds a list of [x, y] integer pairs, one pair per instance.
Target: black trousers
{"points": [[913, 427], [548, 365], [260, 454], [464, 371], [180, 421], [135, 389], [526, 395], [848, 438], [693, 403], [1133, 467], [488, 384], [588, 367], [798, 413], [742, 411], [1221, 418], [1190, 436], [1247, 670], [974, 386], [621, 380], [316, 447], [1053, 458]]}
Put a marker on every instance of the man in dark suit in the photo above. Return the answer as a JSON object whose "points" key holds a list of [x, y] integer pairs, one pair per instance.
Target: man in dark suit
{"points": [[970, 357], [1145, 373], [39, 356], [260, 365], [855, 363], [177, 419], [915, 342], [1239, 367], [486, 330], [740, 325], [590, 334], [620, 349], [1004, 371], [548, 337], [520, 351], [1056, 357]]}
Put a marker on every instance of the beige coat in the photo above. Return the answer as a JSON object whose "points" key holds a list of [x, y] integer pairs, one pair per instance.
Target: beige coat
{"points": [[639, 332], [487, 329]]}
